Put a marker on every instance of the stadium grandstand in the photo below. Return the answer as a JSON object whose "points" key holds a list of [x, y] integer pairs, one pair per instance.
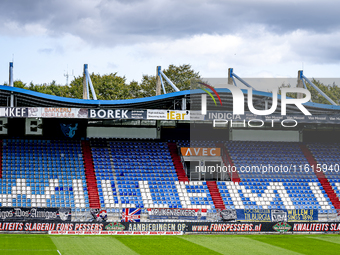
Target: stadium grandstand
{"points": [[152, 153]]}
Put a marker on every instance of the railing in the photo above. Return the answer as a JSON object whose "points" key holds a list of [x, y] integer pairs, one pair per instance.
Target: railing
{"points": [[182, 160], [225, 160]]}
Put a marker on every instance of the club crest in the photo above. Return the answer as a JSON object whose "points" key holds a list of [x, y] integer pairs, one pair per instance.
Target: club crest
{"points": [[68, 130]]}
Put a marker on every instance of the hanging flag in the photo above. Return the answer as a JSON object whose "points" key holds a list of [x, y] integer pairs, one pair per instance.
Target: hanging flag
{"points": [[131, 215]]}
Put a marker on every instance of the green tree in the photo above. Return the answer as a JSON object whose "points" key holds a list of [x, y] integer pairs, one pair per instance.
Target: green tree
{"points": [[114, 87], [182, 76], [107, 87], [51, 89], [135, 89], [147, 86], [17, 84], [75, 89], [332, 91]]}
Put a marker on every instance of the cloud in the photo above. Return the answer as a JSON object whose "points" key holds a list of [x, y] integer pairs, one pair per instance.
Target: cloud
{"points": [[322, 48], [111, 65], [115, 22], [45, 50], [260, 38], [215, 53]]}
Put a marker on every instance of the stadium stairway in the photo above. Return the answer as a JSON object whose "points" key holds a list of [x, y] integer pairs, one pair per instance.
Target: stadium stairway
{"points": [[176, 159], [228, 161], [90, 175], [321, 176], [215, 195]]}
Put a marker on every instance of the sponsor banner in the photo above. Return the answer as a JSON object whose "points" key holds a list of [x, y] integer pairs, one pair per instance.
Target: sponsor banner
{"points": [[34, 112], [168, 115], [114, 233], [157, 228], [196, 115], [229, 227], [114, 226], [78, 113], [14, 112], [210, 152], [178, 214], [316, 227], [40, 112], [274, 118], [34, 214], [84, 113], [178, 115], [45, 226], [275, 215], [116, 114], [156, 114], [280, 227]]}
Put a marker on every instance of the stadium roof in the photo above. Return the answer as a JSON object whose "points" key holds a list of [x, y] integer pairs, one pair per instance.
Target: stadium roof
{"points": [[27, 98]]}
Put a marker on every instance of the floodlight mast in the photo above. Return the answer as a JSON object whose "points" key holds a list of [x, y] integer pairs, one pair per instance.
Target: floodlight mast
{"points": [[304, 78], [158, 83], [11, 83], [88, 83], [301, 77], [160, 74], [231, 76]]}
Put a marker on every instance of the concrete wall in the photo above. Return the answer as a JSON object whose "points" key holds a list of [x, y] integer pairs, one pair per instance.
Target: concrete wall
{"points": [[121, 132], [265, 135]]}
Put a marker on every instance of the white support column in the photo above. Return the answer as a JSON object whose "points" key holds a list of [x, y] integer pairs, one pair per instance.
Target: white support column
{"points": [[11, 83]]}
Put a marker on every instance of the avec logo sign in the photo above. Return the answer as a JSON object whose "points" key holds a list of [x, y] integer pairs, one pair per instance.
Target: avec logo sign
{"points": [[212, 152]]}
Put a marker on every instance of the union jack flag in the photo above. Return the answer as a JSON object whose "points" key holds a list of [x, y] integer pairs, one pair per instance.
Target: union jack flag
{"points": [[131, 215]]}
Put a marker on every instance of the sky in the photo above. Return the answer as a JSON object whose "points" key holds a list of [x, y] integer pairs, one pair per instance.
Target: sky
{"points": [[47, 39]]}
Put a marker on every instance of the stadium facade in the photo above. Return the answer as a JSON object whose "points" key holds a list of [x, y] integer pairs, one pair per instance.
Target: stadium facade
{"points": [[160, 157]]}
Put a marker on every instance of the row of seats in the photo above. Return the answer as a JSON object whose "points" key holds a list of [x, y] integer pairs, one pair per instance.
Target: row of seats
{"points": [[276, 195], [141, 174], [293, 189], [43, 173], [259, 159], [327, 155]]}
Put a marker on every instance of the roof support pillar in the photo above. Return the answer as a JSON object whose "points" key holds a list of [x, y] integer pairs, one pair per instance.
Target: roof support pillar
{"points": [[300, 83], [184, 104], [11, 83], [230, 78], [158, 82], [85, 84]]}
